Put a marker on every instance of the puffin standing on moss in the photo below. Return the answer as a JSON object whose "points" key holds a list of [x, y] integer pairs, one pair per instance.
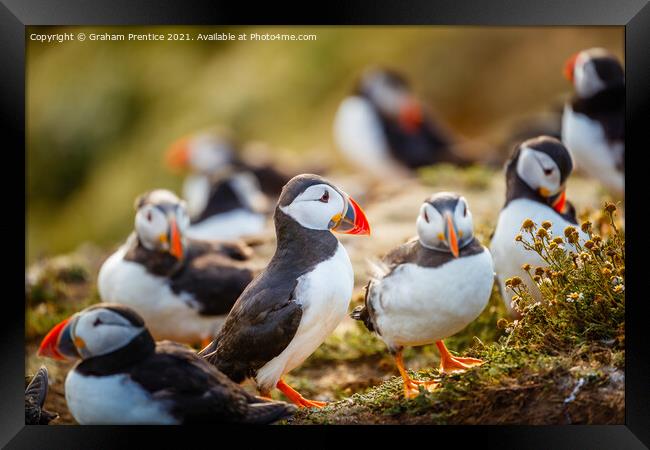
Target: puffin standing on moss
{"points": [[383, 128], [536, 176], [226, 197], [593, 123], [431, 287], [301, 296], [125, 378], [184, 288]]}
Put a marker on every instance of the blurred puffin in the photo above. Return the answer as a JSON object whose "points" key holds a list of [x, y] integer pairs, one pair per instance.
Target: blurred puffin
{"points": [[593, 123], [35, 396], [536, 176], [301, 296], [384, 128], [227, 198], [182, 287], [431, 287], [124, 377]]}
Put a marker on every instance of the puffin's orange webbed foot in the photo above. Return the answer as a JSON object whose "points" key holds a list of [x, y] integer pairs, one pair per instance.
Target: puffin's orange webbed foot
{"points": [[454, 364], [296, 398], [411, 388]]}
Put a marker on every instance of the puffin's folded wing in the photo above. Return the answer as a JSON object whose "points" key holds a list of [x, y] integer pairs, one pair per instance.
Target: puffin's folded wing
{"points": [[214, 281], [259, 327], [193, 390]]}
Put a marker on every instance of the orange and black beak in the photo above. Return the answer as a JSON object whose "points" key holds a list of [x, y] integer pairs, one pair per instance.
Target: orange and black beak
{"points": [[178, 155], [451, 236], [175, 240], [352, 221], [58, 343], [410, 115], [570, 66]]}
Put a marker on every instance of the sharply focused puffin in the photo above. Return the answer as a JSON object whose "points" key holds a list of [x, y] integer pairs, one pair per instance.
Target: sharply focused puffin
{"points": [[384, 128], [183, 288], [301, 296], [431, 287], [124, 377], [593, 123], [35, 396], [536, 176], [226, 197]]}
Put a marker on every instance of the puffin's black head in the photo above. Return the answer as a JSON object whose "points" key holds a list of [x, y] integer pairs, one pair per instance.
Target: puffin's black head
{"points": [[204, 153], [161, 221], [543, 164], [445, 223], [317, 204], [594, 70], [95, 331], [390, 93]]}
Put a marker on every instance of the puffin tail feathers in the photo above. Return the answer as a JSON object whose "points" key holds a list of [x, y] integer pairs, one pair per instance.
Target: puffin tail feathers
{"points": [[268, 412], [361, 313]]}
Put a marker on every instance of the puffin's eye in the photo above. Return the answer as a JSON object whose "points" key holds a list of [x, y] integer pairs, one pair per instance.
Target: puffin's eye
{"points": [[426, 216], [97, 322], [465, 211], [325, 197], [149, 216], [547, 172]]}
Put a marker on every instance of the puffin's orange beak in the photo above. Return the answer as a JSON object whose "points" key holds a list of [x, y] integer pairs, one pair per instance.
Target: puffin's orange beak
{"points": [[452, 238], [569, 67], [410, 115], [354, 221], [175, 243], [178, 155], [50, 346], [558, 205]]}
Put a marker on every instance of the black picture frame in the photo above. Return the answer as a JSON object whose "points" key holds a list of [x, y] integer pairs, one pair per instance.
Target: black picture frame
{"points": [[634, 15]]}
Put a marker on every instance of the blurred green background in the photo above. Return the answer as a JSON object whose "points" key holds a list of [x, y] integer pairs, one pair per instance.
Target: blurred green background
{"points": [[101, 114]]}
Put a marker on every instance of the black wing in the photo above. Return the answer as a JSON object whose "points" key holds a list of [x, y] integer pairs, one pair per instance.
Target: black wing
{"points": [[238, 250], [214, 279], [259, 327], [197, 392]]}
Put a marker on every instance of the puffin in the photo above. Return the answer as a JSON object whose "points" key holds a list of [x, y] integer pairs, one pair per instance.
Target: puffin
{"points": [[35, 395], [593, 122], [384, 128], [536, 176], [300, 297], [124, 377], [226, 197], [183, 287], [431, 287]]}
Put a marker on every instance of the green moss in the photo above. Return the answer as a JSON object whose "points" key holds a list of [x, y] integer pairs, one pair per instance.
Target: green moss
{"points": [[571, 342]]}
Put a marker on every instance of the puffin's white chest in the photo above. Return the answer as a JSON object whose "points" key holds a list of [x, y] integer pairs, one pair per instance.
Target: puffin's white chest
{"points": [[591, 151], [229, 225], [509, 255], [324, 294], [113, 399], [417, 305], [168, 315]]}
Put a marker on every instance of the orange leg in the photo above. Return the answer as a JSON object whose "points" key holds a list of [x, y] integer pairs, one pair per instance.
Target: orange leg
{"points": [[295, 397], [454, 364], [411, 385]]}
